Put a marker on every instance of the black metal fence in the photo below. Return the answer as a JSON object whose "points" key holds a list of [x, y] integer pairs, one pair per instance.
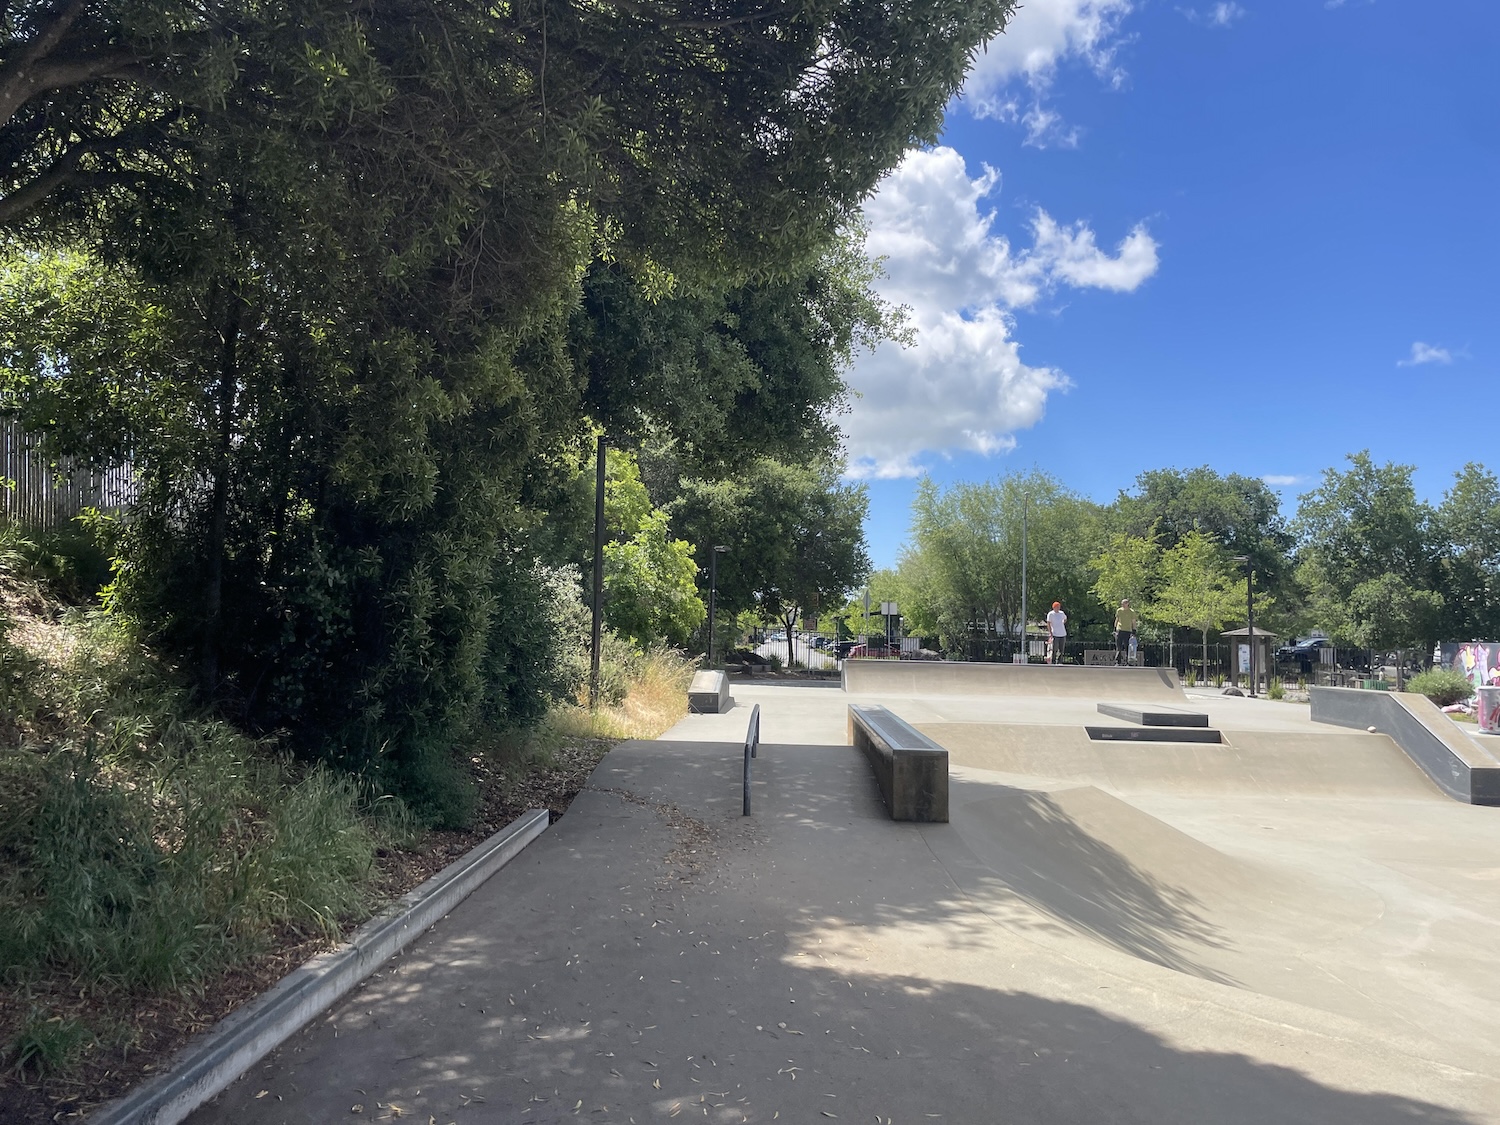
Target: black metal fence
{"points": [[1214, 666]]}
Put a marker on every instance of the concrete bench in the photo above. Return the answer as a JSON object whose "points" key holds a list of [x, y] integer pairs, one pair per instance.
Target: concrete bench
{"points": [[1098, 657], [911, 769]]}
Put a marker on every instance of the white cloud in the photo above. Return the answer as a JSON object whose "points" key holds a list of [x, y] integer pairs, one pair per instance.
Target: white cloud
{"points": [[1014, 72], [1425, 353], [962, 385], [1220, 15], [1276, 480]]}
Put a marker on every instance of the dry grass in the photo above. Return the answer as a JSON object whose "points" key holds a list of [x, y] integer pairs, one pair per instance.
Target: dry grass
{"points": [[655, 701]]}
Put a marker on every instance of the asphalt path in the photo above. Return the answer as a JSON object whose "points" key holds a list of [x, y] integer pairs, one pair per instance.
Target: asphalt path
{"points": [[1099, 949]]}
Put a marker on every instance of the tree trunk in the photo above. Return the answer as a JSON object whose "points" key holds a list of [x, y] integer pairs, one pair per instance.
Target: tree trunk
{"points": [[213, 597]]}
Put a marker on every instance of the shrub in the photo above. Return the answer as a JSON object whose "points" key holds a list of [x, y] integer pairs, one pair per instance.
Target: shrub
{"points": [[47, 1045], [1442, 686], [1276, 690], [144, 847]]}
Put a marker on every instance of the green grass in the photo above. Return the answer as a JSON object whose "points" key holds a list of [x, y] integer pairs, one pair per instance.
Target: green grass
{"points": [[46, 1046], [145, 847]]}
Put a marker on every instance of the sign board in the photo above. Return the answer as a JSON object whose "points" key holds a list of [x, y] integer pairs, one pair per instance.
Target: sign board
{"points": [[888, 609], [1244, 658]]}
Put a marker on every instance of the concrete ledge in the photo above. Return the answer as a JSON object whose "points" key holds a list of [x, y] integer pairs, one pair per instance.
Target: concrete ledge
{"points": [[1154, 716], [911, 769], [1153, 734], [1461, 767], [211, 1062], [1062, 681], [709, 693]]}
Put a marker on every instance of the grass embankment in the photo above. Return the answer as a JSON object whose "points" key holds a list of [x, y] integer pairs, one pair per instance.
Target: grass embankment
{"points": [[158, 867]]}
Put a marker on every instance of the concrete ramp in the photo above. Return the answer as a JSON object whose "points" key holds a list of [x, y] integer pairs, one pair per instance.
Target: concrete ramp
{"points": [[1056, 681], [1108, 871], [1258, 763]]}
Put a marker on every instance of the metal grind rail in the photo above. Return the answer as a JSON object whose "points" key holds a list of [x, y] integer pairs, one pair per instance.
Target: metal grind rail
{"points": [[752, 743]]}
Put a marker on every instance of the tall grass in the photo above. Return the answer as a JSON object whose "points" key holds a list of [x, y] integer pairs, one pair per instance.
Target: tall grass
{"points": [[143, 848], [649, 696]]}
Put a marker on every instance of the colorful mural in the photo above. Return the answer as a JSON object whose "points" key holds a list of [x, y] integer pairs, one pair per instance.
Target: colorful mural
{"points": [[1478, 661]]}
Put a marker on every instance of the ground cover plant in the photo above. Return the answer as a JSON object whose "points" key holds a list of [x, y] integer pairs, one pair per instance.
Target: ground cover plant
{"points": [[158, 866]]}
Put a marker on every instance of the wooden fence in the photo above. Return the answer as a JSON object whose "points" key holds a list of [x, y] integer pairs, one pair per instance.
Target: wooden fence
{"points": [[40, 494]]}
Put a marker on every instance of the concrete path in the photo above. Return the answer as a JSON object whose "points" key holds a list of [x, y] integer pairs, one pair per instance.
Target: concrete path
{"points": [[1079, 950]]}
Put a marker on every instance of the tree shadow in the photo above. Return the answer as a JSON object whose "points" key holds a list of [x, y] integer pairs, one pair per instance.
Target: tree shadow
{"points": [[586, 981]]}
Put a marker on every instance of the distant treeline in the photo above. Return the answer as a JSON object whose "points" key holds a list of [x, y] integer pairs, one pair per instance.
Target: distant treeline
{"points": [[1362, 559]]}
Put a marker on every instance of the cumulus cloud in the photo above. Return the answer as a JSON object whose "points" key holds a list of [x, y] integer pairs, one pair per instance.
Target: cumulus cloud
{"points": [[1219, 15], [1425, 353], [962, 385], [1013, 74]]}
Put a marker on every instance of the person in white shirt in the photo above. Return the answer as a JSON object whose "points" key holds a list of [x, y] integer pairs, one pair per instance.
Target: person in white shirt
{"points": [[1057, 634]]}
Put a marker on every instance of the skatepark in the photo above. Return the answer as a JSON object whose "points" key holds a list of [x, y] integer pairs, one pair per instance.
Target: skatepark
{"points": [[1293, 924]]}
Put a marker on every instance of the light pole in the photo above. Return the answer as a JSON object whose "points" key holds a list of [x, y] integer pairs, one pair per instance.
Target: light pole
{"points": [[1249, 612], [1025, 653], [597, 622], [713, 587]]}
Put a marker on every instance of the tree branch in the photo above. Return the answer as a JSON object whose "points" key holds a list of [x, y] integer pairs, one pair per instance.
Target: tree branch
{"points": [[19, 84], [65, 169]]}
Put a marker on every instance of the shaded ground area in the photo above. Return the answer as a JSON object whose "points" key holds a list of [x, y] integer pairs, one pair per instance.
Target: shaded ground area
{"points": [[1061, 955], [158, 1025]]}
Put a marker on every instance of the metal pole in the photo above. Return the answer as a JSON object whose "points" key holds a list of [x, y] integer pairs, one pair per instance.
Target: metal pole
{"points": [[1250, 615], [598, 622], [1025, 655], [713, 583]]}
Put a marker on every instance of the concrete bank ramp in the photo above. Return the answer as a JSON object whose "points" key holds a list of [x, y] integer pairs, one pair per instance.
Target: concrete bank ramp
{"points": [[1263, 763], [1113, 872], [1057, 681]]}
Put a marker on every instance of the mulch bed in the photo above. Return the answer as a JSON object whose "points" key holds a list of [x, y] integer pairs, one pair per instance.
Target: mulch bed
{"points": [[151, 1029]]}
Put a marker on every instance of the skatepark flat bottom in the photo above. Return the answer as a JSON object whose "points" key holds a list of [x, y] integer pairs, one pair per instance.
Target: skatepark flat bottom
{"points": [[1292, 927]]}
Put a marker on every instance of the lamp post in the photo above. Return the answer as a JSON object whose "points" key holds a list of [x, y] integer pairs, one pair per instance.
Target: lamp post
{"points": [[713, 587], [1025, 653], [596, 625], [1249, 613]]}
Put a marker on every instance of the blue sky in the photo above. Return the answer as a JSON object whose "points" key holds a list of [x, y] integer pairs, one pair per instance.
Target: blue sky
{"points": [[1257, 236]]}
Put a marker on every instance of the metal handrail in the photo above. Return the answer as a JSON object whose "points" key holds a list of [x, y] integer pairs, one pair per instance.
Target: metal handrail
{"points": [[752, 743]]}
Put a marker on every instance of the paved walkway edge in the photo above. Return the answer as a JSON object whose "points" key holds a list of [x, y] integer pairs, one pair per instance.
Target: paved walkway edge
{"points": [[209, 1064]]}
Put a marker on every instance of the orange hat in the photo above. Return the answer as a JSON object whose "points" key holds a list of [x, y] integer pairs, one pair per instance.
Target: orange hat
{"points": [[1057, 605]]}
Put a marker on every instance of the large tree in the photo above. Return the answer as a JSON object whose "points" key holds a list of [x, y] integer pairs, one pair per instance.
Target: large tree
{"points": [[964, 561], [1198, 589], [795, 535], [1467, 527], [1241, 513], [358, 231], [1366, 525]]}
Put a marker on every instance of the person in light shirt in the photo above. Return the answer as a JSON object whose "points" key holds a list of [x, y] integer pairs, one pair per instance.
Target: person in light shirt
{"points": [[1057, 634]]}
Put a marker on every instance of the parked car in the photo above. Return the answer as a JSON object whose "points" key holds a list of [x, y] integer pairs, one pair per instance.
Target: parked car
{"points": [[873, 651], [1303, 652]]}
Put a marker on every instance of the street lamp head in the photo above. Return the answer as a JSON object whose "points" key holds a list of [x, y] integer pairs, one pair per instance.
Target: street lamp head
{"points": [[1239, 558], [720, 548]]}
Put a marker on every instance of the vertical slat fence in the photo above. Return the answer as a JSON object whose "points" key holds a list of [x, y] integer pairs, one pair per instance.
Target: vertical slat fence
{"points": [[36, 493]]}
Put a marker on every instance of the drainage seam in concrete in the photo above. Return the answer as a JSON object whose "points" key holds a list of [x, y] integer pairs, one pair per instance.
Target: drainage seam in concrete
{"points": [[208, 1066]]}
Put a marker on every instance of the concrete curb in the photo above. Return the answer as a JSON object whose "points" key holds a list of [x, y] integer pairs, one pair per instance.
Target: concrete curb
{"points": [[209, 1064]]}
